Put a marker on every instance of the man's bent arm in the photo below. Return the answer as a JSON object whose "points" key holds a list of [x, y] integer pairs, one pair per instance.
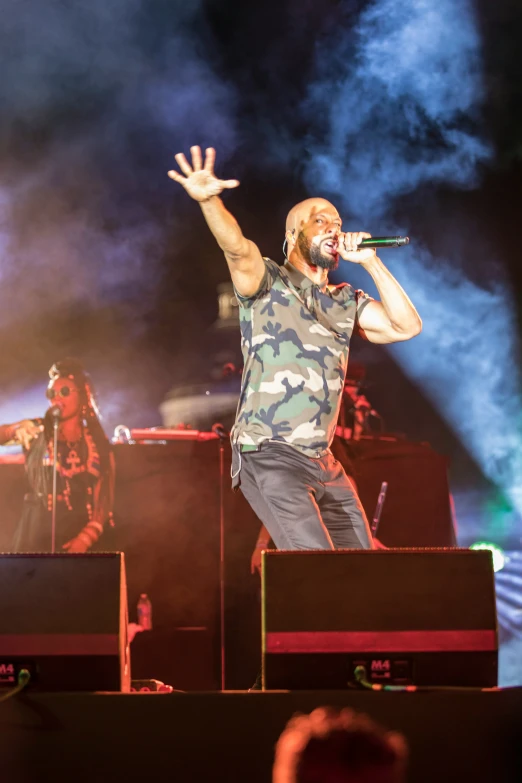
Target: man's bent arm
{"points": [[244, 260], [392, 319]]}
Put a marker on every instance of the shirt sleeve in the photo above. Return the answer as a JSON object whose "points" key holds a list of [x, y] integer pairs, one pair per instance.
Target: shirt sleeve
{"points": [[266, 284], [361, 300]]}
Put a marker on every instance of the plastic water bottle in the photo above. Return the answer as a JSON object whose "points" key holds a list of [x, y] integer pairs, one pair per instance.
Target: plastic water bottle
{"points": [[145, 612]]}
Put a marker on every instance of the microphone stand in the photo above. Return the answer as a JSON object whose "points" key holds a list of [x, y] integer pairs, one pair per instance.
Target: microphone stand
{"points": [[378, 509], [55, 413], [220, 431]]}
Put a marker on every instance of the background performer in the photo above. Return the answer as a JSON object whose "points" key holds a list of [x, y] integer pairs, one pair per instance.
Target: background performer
{"points": [[85, 466]]}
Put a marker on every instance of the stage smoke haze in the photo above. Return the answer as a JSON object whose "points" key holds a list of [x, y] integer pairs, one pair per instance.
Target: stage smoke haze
{"points": [[97, 99], [403, 94], [86, 207]]}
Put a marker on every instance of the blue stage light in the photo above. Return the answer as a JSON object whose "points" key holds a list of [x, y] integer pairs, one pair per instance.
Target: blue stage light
{"points": [[404, 66]]}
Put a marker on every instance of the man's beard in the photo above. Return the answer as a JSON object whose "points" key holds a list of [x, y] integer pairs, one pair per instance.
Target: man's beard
{"points": [[313, 255]]}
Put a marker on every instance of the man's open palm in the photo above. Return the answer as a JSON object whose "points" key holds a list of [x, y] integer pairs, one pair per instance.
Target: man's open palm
{"points": [[199, 181]]}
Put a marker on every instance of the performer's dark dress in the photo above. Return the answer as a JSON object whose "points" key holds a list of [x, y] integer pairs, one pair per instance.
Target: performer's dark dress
{"points": [[78, 467]]}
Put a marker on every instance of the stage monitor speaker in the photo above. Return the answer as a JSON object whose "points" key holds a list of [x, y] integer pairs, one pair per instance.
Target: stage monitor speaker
{"points": [[64, 618], [422, 617]]}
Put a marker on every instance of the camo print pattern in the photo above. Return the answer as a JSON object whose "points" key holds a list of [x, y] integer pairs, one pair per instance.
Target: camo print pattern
{"points": [[295, 340]]}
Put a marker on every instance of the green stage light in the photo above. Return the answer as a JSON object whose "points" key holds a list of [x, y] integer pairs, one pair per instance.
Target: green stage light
{"points": [[499, 558]]}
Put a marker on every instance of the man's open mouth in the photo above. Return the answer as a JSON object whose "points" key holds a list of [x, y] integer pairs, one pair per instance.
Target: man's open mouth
{"points": [[330, 246]]}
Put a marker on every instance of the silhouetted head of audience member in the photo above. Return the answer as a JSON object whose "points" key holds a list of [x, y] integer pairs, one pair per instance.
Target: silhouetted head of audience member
{"points": [[338, 746]]}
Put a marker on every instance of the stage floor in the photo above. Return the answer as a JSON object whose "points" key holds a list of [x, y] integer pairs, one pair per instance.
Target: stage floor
{"points": [[454, 735]]}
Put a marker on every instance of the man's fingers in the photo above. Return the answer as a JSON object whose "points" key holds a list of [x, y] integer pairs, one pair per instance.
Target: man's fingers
{"points": [[229, 183], [183, 164], [23, 438], [210, 159], [196, 158], [176, 177], [350, 242]]}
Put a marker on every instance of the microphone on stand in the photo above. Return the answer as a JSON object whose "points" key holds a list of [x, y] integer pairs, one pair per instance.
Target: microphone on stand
{"points": [[55, 413], [220, 431], [384, 242]]}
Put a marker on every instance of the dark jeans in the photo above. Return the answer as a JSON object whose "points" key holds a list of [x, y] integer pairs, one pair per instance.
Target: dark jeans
{"points": [[304, 503]]}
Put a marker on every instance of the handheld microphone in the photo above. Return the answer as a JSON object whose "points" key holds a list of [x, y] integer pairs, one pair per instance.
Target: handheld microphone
{"points": [[54, 412], [384, 242]]}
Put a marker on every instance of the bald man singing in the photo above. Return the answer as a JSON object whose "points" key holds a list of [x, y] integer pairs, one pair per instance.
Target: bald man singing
{"points": [[296, 331]]}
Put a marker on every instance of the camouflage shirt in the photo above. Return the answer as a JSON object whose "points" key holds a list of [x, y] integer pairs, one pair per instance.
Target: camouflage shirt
{"points": [[295, 339]]}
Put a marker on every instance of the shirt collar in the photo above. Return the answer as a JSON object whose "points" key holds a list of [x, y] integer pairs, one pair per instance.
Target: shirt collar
{"points": [[299, 279]]}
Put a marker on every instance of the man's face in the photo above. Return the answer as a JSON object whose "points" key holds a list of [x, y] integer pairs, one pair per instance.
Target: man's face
{"points": [[64, 393], [318, 237]]}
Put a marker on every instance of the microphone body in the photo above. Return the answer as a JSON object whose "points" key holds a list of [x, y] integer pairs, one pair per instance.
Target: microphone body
{"points": [[384, 242], [55, 413]]}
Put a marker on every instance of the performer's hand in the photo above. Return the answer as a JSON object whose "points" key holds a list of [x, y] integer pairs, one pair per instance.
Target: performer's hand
{"points": [[199, 181], [77, 545], [347, 247], [132, 630], [26, 431], [255, 560]]}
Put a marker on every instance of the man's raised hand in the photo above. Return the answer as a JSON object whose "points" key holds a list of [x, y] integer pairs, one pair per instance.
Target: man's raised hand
{"points": [[199, 181]]}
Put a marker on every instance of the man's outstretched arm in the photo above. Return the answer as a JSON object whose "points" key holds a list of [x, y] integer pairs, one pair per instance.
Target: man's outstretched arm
{"points": [[244, 260]]}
